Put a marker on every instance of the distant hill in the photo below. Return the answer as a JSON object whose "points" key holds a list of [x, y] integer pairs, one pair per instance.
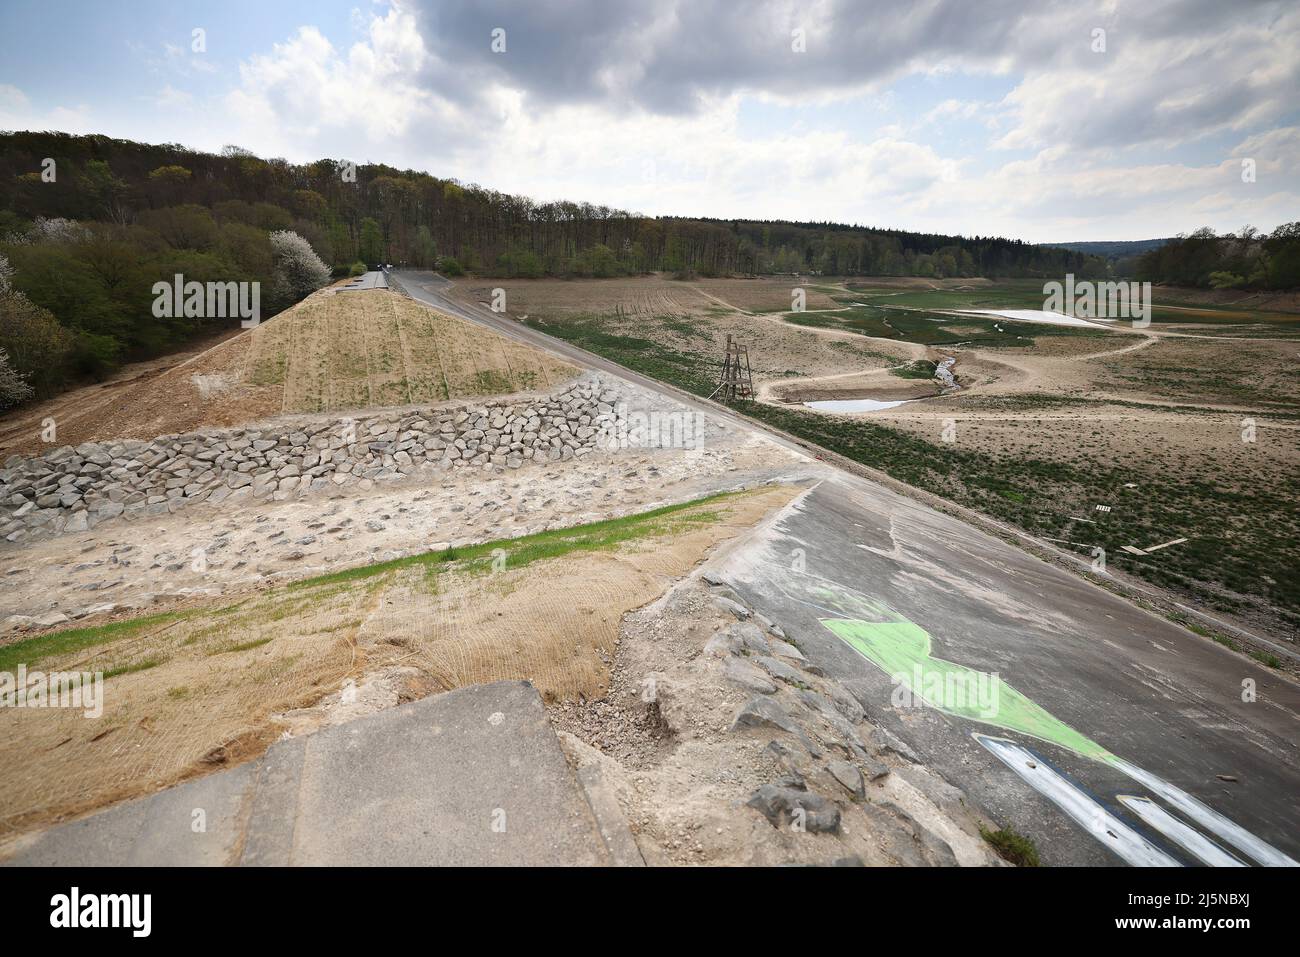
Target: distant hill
{"points": [[373, 213], [86, 248], [1119, 249]]}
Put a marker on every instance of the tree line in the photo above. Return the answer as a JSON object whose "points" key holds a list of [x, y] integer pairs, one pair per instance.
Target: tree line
{"points": [[1247, 259], [88, 225], [82, 247], [373, 212]]}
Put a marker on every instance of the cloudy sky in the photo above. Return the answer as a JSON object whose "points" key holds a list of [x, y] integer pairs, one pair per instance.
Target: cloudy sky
{"points": [[1045, 121]]}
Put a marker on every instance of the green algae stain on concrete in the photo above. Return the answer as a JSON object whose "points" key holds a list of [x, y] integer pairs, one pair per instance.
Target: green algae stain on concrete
{"points": [[902, 649]]}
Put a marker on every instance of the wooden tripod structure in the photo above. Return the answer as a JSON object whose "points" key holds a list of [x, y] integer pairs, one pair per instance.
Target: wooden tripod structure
{"points": [[737, 381]]}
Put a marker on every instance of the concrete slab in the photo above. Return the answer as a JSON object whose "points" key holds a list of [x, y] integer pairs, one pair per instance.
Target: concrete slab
{"points": [[370, 280], [161, 830], [268, 836], [472, 777], [475, 776], [609, 818]]}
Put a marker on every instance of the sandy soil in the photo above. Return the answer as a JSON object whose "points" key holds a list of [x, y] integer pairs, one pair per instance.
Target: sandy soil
{"points": [[697, 316], [1104, 435], [125, 403], [555, 624], [200, 691], [879, 384]]}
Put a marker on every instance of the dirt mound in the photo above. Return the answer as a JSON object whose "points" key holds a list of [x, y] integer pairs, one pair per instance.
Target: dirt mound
{"points": [[331, 352]]}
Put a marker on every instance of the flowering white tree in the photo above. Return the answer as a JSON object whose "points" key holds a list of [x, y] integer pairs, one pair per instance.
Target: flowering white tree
{"points": [[298, 270], [58, 230], [6, 274], [13, 385]]}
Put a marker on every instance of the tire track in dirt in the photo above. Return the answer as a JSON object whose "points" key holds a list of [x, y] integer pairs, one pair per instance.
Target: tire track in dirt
{"points": [[504, 348], [367, 348], [1147, 340], [722, 302], [408, 363], [434, 334]]}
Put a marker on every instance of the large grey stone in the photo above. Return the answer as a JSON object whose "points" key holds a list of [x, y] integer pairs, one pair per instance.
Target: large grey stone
{"points": [[804, 810], [732, 607], [849, 776], [748, 676], [779, 669]]}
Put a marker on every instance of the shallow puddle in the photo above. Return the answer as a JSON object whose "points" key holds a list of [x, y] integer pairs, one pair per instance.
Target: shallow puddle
{"points": [[855, 405]]}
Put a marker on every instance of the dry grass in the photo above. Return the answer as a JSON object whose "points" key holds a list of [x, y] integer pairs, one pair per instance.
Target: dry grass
{"points": [[206, 687], [370, 349], [695, 317]]}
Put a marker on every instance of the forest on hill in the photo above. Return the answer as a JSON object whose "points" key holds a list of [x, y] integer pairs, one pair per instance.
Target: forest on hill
{"points": [[374, 212], [1246, 259], [88, 224]]}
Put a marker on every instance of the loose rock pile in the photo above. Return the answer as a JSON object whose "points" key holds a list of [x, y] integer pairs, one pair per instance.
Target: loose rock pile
{"points": [[728, 743], [73, 489]]}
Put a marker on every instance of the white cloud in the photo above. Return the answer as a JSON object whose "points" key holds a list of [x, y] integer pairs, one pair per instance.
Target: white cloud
{"points": [[18, 113], [1166, 90], [170, 98], [640, 110], [305, 94]]}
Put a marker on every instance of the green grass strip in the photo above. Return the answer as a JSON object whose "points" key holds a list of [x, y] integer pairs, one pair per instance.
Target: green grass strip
{"points": [[529, 548], [31, 650], [135, 666]]}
